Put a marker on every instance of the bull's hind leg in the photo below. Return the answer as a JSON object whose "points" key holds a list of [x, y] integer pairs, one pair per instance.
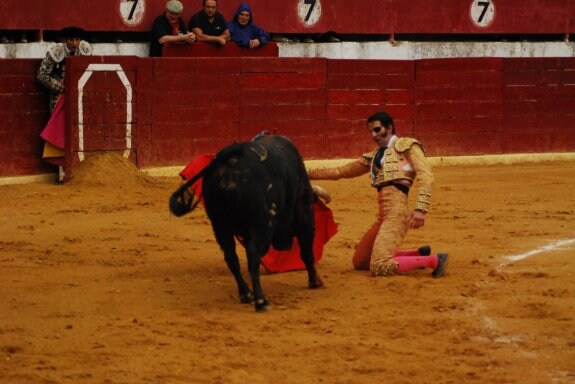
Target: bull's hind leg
{"points": [[305, 239], [255, 249], [228, 245]]}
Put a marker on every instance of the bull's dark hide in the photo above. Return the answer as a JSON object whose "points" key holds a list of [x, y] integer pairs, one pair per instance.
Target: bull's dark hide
{"points": [[259, 192]]}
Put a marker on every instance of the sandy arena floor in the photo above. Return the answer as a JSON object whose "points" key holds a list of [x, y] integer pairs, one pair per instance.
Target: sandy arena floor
{"points": [[100, 284]]}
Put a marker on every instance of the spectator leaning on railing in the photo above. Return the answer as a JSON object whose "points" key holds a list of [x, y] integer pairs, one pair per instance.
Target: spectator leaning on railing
{"points": [[169, 28], [244, 31]]}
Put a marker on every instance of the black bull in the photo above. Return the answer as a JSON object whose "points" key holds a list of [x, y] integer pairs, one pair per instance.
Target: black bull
{"points": [[257, 191]]}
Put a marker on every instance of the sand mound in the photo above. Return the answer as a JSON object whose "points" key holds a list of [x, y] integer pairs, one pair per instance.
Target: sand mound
{"points": [[109, 168]]}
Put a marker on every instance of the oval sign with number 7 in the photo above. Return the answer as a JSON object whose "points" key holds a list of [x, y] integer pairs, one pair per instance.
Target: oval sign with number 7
{"points": [[482, 12], [309, 11]]}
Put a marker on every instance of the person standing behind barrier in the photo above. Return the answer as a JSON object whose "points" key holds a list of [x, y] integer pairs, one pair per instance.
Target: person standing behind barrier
{"points": [[394, 167], [169, 28], [51, 71], [209, 25], [51, 75], [244, 31]]}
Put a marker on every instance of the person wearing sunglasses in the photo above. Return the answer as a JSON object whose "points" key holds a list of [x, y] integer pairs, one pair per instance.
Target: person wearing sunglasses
{"points": [[397, 165]]}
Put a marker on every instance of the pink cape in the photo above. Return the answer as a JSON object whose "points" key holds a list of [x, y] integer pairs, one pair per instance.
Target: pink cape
{"points": [[278, 261], [54, 131]]}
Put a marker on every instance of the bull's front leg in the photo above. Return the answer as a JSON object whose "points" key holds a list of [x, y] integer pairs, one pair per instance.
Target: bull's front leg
{"points": [[306, 253]]}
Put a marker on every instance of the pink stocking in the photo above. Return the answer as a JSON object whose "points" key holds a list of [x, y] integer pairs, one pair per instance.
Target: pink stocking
{"points": [[407, 252], [408, 263]]}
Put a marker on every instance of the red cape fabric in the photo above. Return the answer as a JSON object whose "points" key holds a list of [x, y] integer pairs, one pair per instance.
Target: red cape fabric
{"points": [[278, 261], [283, 261], [193, 168], [54, 131]]}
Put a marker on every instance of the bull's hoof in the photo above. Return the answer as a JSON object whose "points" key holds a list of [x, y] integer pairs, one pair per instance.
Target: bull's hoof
{"points": [[315, 284], [262, 305], [247, 298]]}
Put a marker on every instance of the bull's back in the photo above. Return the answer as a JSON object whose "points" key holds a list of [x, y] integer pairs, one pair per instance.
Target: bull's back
{"points": [[258, 183], [235, 188]]}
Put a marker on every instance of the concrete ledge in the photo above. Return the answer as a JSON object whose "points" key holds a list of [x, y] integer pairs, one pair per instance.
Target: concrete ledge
{"points": [[173, 171], [370, 50], [45, 178], [501, 159], [412, 50]]}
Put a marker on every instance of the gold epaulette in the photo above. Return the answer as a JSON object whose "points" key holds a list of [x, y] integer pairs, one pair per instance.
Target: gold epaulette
{"points": [[404, 143]]}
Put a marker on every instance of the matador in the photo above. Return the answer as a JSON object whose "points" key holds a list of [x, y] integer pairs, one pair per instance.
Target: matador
{"points": [[395, 167]]}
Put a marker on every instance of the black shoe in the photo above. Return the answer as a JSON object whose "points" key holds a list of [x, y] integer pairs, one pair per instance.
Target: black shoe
{"points": [[280, 39], [424, 250], [442, 261]]}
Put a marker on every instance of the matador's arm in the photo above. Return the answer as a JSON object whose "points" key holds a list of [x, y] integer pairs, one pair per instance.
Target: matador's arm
{"points": [[424, 177], [347, 171]]}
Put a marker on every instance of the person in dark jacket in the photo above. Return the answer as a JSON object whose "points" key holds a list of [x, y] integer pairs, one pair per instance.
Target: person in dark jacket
{"points": [[244, 31], [169, 28], [209, 25]]}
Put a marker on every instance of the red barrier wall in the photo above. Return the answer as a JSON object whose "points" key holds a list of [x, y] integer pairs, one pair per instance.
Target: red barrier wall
{"points": [[294, 16], [164, 111], [459, 105], [23, 111], [200, 49]]}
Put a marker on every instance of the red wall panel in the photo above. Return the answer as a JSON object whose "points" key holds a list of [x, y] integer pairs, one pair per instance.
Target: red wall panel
{"points": [[459, 97], [387, 67], [461, 144], [283, 111], [311, 145], [272, 96], [23, 114], [282, 80], [283, 65], [286, 127], [480, 107], [538, 101], [210, 50]]}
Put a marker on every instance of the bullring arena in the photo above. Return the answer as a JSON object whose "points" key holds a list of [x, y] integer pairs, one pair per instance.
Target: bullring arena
{"points": [[99, 283]]}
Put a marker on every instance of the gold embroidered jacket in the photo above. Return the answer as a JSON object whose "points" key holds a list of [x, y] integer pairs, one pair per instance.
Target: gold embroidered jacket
{"points": [[403, 163]]}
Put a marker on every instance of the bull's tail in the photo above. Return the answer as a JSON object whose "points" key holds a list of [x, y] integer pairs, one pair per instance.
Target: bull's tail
{"points": [[184, 200]]}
